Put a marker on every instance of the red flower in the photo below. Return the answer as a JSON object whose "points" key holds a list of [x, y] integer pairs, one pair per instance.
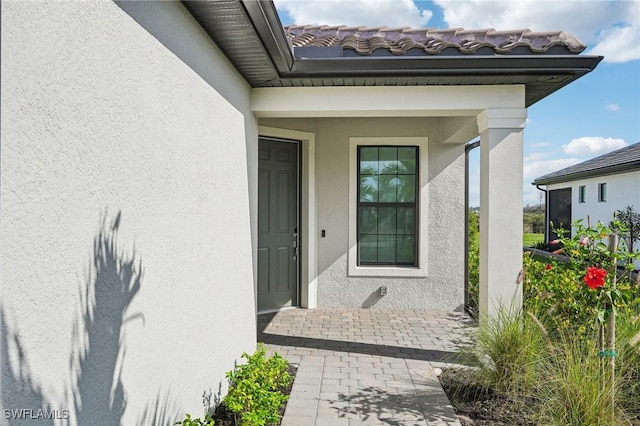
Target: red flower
{"points": [[584, 241], [594, 277], [548, 267]]}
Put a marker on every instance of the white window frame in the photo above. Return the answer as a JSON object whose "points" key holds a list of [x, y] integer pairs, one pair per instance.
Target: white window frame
{"points": [[388, 271], [582, 194], [602, 192]]}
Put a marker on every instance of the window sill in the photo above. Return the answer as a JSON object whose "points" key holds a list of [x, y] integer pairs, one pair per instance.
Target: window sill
{"points": [[386, 271]]}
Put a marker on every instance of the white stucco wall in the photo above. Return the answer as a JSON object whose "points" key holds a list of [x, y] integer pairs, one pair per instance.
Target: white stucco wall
{"points": [[622, 190], [126, 112], [443, 288]]}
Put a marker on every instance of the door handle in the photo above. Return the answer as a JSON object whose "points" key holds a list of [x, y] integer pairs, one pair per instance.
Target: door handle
{"points": [[295, 244]]}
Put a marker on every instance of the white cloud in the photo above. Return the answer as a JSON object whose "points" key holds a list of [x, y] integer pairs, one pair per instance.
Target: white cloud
{"points": [[590, 146], [540, 144], [609, 28], [536, 165], [612, 106], [618, 44], [390, 13], [612, 27]]}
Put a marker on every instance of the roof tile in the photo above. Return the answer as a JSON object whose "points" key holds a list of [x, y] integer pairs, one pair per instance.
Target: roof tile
{"points": [[398, 41]]}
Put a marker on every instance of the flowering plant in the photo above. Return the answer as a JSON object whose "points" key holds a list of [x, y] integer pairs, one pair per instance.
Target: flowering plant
{"points": [[595, 277], [591, 252]]}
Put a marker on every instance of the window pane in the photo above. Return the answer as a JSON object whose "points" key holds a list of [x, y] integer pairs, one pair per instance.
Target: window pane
{"points": [[602, 192], [388, 160], [387, 248], [388, 188], [406, 249], [387, 209], [407, 160], [368, 220], [387, 220], [369, 189], [368, 160], [406, 188], [368, 248], [406, 220]]}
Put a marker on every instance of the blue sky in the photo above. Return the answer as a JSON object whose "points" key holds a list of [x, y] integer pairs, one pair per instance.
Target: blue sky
{"points": [[596, 114]]}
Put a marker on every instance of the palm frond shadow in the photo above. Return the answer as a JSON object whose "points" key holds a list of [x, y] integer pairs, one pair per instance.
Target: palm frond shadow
{"points": [[115, 279]]}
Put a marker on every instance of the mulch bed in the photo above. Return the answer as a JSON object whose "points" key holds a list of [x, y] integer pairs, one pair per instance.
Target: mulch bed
{"points": [[479, 405], [225, 417]]}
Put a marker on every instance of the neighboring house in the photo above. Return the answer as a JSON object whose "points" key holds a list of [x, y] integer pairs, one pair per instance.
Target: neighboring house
{"points": [[170, 168], [592, 190]]}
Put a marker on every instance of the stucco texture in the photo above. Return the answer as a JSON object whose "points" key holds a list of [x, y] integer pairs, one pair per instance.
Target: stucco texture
{"points": [[127, 284], [443, 287]]}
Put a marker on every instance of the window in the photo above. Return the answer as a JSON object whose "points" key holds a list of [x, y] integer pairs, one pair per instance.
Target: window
{"points": [[388, 200], [602, 192], [387, 205], [582, 193]]}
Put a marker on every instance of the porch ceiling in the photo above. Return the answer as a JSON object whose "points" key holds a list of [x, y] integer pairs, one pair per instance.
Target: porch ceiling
{"points": [[249, 32]]}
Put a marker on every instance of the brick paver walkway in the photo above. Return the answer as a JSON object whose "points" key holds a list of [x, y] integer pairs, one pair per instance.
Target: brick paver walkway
{"points": [[366, 366]]}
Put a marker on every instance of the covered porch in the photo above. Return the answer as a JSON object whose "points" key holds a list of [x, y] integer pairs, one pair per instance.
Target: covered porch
{"points": [[331, 123]]}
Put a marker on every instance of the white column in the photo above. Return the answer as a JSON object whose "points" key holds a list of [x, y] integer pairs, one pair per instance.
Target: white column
{"points": [[500, 209]]}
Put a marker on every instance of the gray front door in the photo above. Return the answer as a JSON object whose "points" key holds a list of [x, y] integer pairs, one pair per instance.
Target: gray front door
{"points": [[277, 224]]}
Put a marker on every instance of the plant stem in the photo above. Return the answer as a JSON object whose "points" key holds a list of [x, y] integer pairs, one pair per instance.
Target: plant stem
{"points": [[611, 326]]}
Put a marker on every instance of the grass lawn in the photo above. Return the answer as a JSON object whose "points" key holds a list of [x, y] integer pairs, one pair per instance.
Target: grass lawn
{"points": [[528, 240]]}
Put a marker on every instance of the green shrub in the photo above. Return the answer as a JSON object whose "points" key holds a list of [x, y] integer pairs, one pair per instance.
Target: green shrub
{"points": [[474, 262], [188, 421], [541, 245], [576, 390], [554, 293], [255, 394]]}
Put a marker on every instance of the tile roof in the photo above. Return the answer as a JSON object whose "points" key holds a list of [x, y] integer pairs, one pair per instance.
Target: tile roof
{"points": [[429, 41], [623, 160]]}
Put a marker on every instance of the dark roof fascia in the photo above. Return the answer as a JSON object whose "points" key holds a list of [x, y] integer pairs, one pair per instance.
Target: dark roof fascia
{"points": [[267, 25], [603, 171], [439, 65], [570, 67]]}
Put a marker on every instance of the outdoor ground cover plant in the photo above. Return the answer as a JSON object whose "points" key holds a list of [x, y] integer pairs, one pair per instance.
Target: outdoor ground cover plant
{"points": [[572, 356], [258, 391]]}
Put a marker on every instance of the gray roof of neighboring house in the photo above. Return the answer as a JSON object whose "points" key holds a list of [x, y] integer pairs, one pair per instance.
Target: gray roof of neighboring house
{"points": [[623, 160], [251, 35]]}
